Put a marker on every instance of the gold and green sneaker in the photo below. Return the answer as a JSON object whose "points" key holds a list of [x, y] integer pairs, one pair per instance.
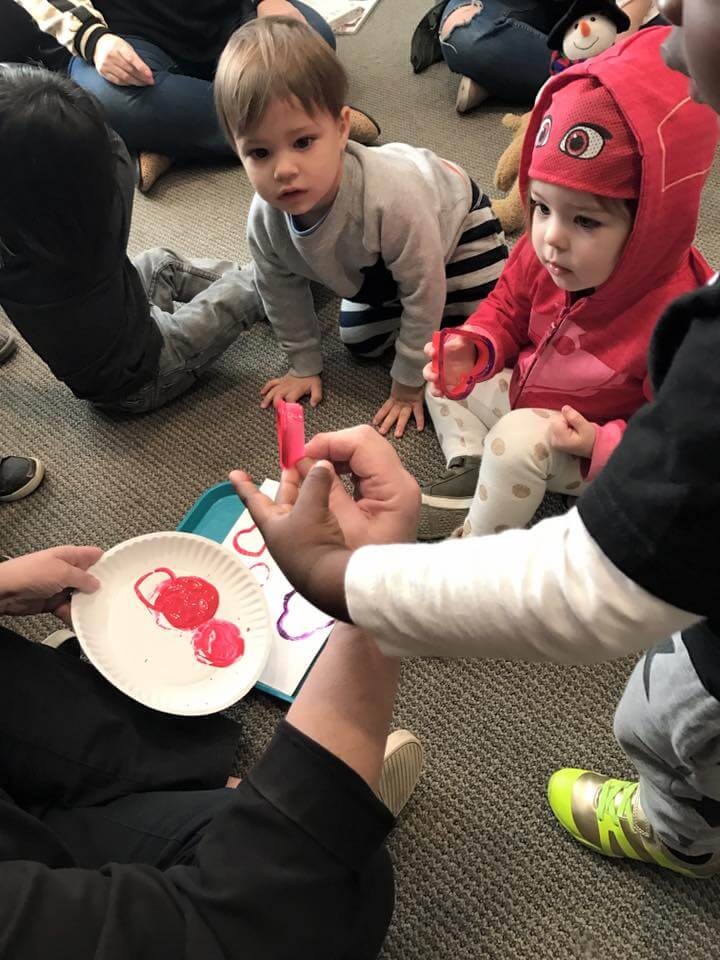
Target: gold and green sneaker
{"points": [[606, 815]]}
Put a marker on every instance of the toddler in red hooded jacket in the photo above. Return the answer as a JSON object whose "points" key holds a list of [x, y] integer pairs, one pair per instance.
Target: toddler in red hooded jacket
{"points": [[612, 169]]}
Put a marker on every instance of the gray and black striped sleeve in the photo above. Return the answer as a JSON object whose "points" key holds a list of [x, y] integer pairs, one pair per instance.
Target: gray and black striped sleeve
{"points": [[75, 24]]}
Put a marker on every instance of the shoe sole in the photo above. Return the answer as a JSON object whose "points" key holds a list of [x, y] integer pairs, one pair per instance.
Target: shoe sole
{"points": [[30, 486], [402, 767], [8, 349], [447, 503]]}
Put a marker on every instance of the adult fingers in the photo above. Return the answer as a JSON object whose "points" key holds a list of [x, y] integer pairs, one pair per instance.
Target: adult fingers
{"points": [[361, 449], [314, 494], [74, 578], [118, 76], [82, 557], [63, 613], [260, 506], [289, 487], [137, 65]]}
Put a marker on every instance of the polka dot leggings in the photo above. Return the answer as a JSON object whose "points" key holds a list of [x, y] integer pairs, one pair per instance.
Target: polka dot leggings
{"points": [[518, 464]]}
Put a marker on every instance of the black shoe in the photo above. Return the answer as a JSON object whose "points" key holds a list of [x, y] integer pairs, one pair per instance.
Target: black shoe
{"points": [[454, 489], [8, 346], [19, 476]]}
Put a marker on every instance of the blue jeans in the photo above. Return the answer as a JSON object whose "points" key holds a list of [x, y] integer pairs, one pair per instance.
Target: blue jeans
{"points": [[200, 307], [503, 47], [176, 115]]}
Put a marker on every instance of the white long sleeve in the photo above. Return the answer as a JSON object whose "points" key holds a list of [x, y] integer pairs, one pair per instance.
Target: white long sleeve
{"points": [[547, 593]]}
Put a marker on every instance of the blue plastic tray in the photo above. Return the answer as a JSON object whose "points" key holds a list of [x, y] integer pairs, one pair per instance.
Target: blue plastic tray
{"points": [[212, 516]]}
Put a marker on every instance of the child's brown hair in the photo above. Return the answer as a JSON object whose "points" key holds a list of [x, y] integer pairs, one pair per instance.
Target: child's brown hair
{"points": [[275, 58]]}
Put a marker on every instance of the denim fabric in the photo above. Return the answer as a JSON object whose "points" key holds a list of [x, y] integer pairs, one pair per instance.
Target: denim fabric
{"points": [[176, 115], [503, 47], [217, 301]]}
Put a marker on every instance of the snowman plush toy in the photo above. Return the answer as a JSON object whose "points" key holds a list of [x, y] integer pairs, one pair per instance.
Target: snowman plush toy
{"points": [[588, 28]]}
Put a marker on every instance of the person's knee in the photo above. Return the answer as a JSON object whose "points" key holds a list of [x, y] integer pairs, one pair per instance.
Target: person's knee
{"points": [[459, 17], [519, 441]]}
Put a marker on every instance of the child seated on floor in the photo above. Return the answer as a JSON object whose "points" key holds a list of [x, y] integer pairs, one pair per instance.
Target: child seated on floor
{"points": [[405, 237], [104, 325], [564, 335]]}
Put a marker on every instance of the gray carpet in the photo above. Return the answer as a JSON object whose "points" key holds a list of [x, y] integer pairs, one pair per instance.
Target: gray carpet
{"points": [[482, 869]]}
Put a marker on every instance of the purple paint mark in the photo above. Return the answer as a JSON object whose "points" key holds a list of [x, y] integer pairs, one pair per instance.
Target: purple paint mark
{"points": [[281, 619], [242, 550], [218, 643], [185, 602], [267, 571]]}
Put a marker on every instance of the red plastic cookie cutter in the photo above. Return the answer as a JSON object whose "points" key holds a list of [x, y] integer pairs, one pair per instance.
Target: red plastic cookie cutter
{"points": [[481, 368], [290, 426]]}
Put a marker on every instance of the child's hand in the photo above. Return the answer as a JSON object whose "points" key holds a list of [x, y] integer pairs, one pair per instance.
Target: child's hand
{"points": [[572, 433], [291, 388], [460, 356], [404, 402]]}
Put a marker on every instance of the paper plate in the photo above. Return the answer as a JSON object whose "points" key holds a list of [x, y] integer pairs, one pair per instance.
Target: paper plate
{"points": [[142, 653]]}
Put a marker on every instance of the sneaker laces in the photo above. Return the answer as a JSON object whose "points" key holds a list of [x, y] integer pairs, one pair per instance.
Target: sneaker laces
{"points": [[615, 801]]}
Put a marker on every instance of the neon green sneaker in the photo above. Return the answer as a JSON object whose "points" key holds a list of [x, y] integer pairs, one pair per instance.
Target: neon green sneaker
{"points": [[606, 815]]}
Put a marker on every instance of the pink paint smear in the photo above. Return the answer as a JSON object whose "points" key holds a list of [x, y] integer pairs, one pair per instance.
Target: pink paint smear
{"points": [[242, 550], [188, 603]]}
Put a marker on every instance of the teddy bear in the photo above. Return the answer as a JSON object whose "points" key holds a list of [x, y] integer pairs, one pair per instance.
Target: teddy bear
{"points": [[509, 209]]}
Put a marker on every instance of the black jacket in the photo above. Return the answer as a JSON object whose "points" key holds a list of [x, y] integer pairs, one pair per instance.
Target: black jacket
{"points": [[91, 326]]}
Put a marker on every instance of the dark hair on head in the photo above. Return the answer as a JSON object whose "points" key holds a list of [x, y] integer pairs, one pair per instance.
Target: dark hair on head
{"points": [[57, 174], [276, 58]]}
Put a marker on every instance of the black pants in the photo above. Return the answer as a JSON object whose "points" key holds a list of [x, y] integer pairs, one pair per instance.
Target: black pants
{"points": [[21, 41], [118, 840]]}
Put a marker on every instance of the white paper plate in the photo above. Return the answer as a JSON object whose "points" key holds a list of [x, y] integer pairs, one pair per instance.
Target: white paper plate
{"points": [[134, 649]]}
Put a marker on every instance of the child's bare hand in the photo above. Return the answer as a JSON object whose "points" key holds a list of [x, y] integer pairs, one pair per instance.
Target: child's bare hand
{"points": [[572, 433], [404, 402], [460, 356], [291, 388]]}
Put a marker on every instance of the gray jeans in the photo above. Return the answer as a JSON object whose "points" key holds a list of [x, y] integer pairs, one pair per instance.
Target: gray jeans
{"points": [[668, 723], [200, 308]]}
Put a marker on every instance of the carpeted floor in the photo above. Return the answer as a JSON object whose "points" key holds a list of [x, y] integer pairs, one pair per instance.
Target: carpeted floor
{"points": [[482, 868]]}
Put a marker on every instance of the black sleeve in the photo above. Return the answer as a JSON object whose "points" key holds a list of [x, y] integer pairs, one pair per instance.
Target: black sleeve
{"points": [[655, 508]]}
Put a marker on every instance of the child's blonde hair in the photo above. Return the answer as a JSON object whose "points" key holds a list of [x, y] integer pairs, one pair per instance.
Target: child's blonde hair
{"points": [[276, 58]]}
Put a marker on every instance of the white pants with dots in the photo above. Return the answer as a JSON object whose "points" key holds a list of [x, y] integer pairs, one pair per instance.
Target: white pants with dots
{"points": [[518, 463]]}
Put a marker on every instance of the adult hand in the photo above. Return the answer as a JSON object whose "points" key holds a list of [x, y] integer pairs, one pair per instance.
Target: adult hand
{"points": [[404, 402], [311, 530], [291, 388], [459, 357], [278, 8], [42, 582], [116, 61], [572, 433]]}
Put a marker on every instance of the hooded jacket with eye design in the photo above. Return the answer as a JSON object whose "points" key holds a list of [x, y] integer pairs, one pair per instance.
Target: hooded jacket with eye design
{"points": [[591, 351]]}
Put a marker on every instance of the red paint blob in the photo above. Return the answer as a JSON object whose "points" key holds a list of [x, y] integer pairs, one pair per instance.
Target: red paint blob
{"points": [[218, 643], [185, 602], [242, 550]]}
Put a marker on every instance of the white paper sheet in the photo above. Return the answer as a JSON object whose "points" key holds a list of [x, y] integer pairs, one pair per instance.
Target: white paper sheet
{"points": [[344, 16], [300, 630]]}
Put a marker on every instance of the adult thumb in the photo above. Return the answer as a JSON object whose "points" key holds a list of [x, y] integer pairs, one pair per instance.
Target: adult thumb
{"points": [[315, 490]]}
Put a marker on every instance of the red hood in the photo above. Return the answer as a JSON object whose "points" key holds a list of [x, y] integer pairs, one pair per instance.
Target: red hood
{"points": [[676, 140]]}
